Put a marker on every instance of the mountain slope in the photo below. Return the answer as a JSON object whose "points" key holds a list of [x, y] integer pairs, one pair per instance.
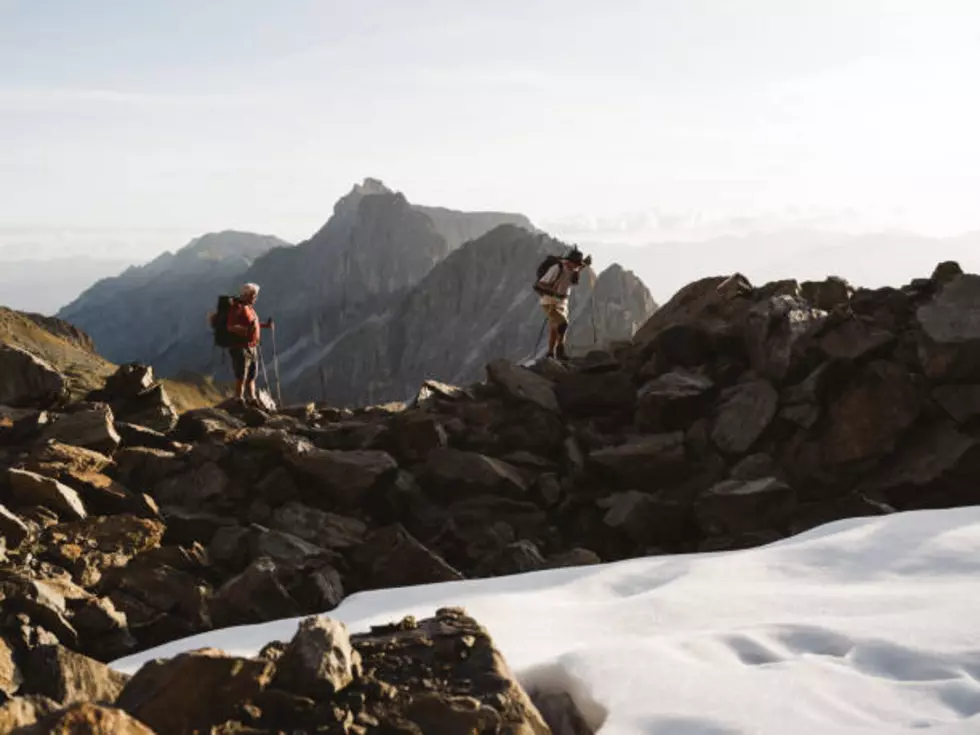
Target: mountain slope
{"points": [[155, 313], [72, 352], [474, 306]]}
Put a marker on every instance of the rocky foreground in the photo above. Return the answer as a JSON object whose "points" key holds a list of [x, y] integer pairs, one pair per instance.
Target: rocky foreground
{"points": [[736, 416]]}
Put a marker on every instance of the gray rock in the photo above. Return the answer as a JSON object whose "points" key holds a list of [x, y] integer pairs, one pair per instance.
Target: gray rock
{"points": [[649, 462], [521, 384], [91, 428], [12, 528], [454, 473], [671, 401], [735, 507], [326, 530], [345, 475], [27, 380], [319, 661], [950, 348], [68, 677], [773, 328], [392, 557], [745, 414], [961, 402], [30, 488], [193, 489], [855, 339]]}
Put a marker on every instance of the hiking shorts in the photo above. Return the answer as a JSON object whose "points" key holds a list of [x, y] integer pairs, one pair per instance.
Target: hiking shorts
{"points": [[555, 309], [244, 361]]}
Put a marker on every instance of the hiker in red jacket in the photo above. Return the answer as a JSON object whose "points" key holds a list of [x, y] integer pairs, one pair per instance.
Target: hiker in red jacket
{"points": [[244, 323]]}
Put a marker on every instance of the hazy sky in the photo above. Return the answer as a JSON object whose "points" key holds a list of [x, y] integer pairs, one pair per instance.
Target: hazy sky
{"points": [[633, 118]]}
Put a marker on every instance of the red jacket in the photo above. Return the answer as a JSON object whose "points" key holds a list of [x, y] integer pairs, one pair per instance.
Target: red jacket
{"points": [[243, 315]]}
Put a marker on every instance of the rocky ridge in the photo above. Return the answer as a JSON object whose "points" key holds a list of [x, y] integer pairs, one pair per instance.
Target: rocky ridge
{"points": [[736, 416]]}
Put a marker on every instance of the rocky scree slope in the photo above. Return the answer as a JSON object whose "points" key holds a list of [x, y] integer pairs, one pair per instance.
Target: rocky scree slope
{"points": [[737, 415], [155, 313], [474, 306]]}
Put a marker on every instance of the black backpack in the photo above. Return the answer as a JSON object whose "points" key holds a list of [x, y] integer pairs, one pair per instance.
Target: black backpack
{"points": [[543, 268], [219, 323]]}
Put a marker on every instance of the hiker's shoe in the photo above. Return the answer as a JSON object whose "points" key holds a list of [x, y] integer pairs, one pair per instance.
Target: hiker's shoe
{"points": [[561, 355]]}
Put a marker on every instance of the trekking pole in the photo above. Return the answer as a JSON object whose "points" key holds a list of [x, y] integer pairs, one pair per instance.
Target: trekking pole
{"points": [[595, 338], [265, 375], [275, 366]]}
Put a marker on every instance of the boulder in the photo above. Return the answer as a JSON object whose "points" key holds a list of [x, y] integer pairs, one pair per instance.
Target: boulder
{"points": [[88, 547], [961, 402], [773, 328], [432, 391], [207, 424], [68, 677], [522, 385], [133, 435], [90, 428], [745, 413], [56, 460], [454, 473], [102, 495], [87, 719], [193, 489], [672, 401], [349, 435], [827, 294], [876, 408], [128, 381], [392, 557], [596, 394], [412, 436], [152, 408], [481, 696], [12, 528], [194, 691], [344, 476], [23, 712], [40, 601], [319, 661], [950, 345], [648, 462], [576, 557], [516, 558], [854, 339], [256, 595], [27, 380], [736, 507], [326, 530], [937, 468], [10, 674], [30, 488]]}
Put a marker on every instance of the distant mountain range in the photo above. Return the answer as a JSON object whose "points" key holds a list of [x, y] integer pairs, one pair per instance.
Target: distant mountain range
{"points": [[385, 294]]}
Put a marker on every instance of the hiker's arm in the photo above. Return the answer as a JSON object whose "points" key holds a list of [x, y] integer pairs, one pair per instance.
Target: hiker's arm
{"points": [[268, 324]]}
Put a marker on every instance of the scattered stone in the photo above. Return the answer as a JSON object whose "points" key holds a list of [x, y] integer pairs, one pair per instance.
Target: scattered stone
{"points": [[521, 384], [91, 428], [392, 557], [961, 402], [67, 677], [27, 380], [745, 414], [194, 691], [735, 507], [319, 661], [87, 719], [326, 530], [12, 528], [650, 462], [453, 473], [672, 401], [345, 476], [30, 488]]}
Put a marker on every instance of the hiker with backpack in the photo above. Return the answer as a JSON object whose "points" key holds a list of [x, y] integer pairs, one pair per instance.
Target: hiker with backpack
{"points": [[237, 327], [556, 277]]}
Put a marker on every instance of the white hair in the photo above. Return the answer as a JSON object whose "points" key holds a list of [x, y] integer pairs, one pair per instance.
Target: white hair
{"points": [[250, 288]]}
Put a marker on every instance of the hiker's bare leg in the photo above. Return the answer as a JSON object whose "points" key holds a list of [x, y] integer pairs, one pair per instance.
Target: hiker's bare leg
{"points": [[250, 386], [552, 338], [240, 389]]}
